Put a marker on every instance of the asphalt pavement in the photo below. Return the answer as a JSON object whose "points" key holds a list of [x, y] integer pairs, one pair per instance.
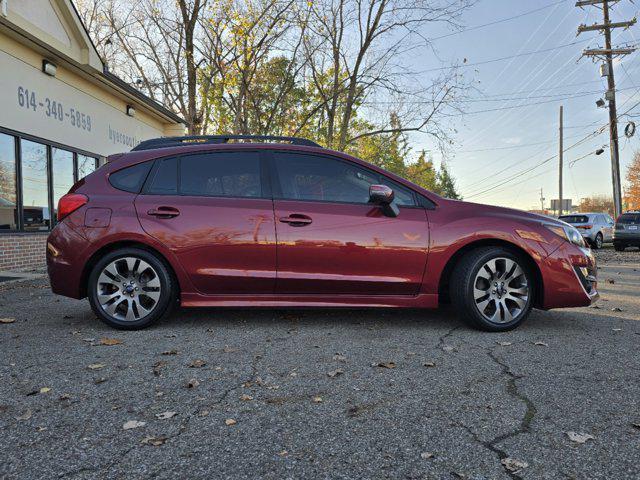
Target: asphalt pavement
{"points": [[275, 394]]}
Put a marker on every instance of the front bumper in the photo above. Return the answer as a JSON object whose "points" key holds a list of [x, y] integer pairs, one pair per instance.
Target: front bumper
{"points": [[569, 278]]}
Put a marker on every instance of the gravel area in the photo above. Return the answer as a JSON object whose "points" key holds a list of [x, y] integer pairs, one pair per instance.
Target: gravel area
{"points": [[214, 393]]}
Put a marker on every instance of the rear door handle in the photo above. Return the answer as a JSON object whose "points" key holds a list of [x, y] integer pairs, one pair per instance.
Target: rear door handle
{"points": [[164, 212], [296, 220]]}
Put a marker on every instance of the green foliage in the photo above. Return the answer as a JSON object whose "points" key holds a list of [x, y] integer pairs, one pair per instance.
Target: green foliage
{"points": [[446, 183]]}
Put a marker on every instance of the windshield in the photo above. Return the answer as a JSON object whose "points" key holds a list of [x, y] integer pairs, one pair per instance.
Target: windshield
{"points": [[575, 218]]}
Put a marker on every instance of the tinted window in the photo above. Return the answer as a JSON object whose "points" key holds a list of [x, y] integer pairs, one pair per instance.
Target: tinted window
{"points": [[35, 183], [629, 218], [309, 177], [575, 218], [62, 171], [8, 196], [165, 178], [130, 179], [221, 174]]}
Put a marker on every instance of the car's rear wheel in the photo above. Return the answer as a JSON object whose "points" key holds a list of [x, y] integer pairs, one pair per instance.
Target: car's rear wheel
{"points": [[493, 289], [619, 247], [597, 243], [130, 289]]}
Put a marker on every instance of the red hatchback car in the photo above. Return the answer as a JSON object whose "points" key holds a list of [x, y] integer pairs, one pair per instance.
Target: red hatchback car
{"points": [[210, 222]]}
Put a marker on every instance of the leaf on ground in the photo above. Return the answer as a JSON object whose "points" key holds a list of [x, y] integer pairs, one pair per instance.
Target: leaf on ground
{"points": [[338, 357], [96, 366], [596, 307], [166, 415], [283, 453], [335, 373], [384, 364], [504, 344], [246, 398], [426, 455], [229, 422], [45, 390], [513, 465], [157, 367], [448, 348], [610, 280], [100, 380], [25, 416], [110, 341], [580, 437], [616, 309], [197, 364], [429, 364], [173, 351], [7, 320], [617, 329], [154, 441], [541, 344], [133, 424], [65, 396], [317, 399], [193, 383]]}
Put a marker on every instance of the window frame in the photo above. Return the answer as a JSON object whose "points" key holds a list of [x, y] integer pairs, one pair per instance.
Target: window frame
{"points": [[418, 199], [18, 138], [265, 180]]}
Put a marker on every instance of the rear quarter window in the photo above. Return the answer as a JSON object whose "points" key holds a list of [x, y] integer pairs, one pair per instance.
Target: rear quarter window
{"points": [[130, 179]]}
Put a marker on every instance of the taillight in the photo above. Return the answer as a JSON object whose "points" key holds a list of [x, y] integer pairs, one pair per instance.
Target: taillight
{"points": [[70, 203], [584, 227]]}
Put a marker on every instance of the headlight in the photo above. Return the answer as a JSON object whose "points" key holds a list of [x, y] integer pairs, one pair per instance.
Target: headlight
{"points": [[569, 233]]}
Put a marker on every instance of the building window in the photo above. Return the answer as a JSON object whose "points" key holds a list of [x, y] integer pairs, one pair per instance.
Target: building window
{"points": [[86, 165], [36, 214], [8, 194], [62, 174]]}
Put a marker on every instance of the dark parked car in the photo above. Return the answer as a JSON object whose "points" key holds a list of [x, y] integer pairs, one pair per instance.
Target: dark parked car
{"points": [[627, 231], [211, 223]]}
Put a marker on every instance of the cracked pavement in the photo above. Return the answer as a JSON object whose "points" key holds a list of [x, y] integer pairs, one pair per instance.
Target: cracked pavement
{"points": [[481, 402]]}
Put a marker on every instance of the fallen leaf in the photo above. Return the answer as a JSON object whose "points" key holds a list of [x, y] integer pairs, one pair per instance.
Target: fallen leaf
{"points": [[193, 383], [133, 424], [157, 367], [384, 364], [426, 455], [197, 364], [7, 320], [25, 416], [166, 415], [339, 357], [317, 399], [580, 437], [230, 421], [541, 344], [110, 341], [100, 380], [428, 364], [610, 280], [203, 413], [283, 453], [335, 373], [96, 366], [154, 441], [504, 344], [45, 390], [617, 329], [595, 307], [448, 348], [513, 465], [246, 398], [170, 352], [616, 309], [65, 396]]}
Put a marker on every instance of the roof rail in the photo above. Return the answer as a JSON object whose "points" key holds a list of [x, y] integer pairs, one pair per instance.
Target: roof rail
{"points": [[164, 142]]}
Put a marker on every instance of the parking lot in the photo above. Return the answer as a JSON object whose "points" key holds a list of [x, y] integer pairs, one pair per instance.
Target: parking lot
{"points": [[322, 394]]}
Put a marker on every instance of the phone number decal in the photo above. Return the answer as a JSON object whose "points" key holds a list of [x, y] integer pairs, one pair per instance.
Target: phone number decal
{"points": [[53, 109]]}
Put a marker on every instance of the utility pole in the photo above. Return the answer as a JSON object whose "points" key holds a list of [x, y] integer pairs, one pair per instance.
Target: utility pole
{"points": [[607, 54], [541, 202], [560, 167]]}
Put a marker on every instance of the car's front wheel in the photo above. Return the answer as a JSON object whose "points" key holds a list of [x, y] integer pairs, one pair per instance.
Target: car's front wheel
{"points": [[493, 289], [130, 288]]}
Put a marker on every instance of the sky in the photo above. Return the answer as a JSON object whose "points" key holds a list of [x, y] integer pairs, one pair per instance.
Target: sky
{"points": [[494, 150]]}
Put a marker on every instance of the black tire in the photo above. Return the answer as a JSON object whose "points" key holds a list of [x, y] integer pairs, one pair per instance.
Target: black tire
{"points": [[597, 243], [161, 307], [463, 283], [619, 247]]}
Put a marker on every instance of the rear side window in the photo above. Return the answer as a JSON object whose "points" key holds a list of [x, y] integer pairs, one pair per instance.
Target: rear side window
{"points": [[164, 179], [575, 219], [130, 179], [629, 218], [221, 174]]}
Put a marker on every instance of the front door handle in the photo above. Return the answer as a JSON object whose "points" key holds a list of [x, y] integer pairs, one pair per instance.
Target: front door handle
{"points": [[164, 212], [296, 220]]}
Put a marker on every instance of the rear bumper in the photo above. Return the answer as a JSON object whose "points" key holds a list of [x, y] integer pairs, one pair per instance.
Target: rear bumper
{"points": [[569, 278], [65, 253], [628, 238]]}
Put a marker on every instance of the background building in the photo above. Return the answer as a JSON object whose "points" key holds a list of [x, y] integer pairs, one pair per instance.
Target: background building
{"points": [[61, 114]]}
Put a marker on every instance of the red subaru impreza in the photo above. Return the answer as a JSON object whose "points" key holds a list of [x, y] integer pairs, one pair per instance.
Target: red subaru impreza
{"points": [[207, 222]]}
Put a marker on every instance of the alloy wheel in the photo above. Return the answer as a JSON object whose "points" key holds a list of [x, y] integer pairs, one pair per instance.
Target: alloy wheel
{"points": [[500, 290], [598, 241], [128, 289]]}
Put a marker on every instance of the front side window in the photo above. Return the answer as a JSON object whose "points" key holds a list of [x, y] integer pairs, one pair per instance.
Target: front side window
{"points": [[35, 186], [320, 178], [8, 195], [221, 174]]}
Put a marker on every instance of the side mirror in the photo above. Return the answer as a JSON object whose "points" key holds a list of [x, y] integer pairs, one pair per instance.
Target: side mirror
{"points": [[383, 196]]}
